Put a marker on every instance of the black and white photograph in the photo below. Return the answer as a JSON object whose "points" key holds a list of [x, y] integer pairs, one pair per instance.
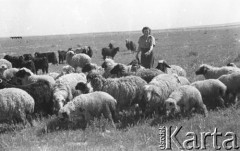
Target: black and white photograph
{"points": [[123, 75]]}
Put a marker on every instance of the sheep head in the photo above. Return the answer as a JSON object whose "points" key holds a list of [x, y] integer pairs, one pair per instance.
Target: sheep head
{"points": [[83, 87], [162, 65], [88, 67], [203, 69], [118, 69], [171, 107]]}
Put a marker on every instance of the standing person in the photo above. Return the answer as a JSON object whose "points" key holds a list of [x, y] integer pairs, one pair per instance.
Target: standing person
{"points": [[145, 45]]}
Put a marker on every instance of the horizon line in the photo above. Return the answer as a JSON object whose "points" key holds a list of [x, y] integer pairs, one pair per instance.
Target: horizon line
{"points": [[163, 29]]}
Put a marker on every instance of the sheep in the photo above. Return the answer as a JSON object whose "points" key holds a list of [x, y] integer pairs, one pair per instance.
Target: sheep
{"points": [[16, 61], [232, 81], [211, 72], [16, 104], [213, 92], [183, 100], [27, 77], [146, 74], [157, 91], [85, 107], [131, 45], [171, 69], [77, 60], [126, 90], [41, 63], [64, 89], [40, 91], [107, 65], [61, 56], [109, 52], [92, 67], [6, 62], [9, 74], [135, 65]]}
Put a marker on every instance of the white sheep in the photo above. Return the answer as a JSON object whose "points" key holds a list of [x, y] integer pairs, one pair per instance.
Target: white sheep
{"points": [[213, 92], [171, 69], [77, 60], [27, 77], [232, 81], [64, 89], [16, 104], [183, 100], [211, 72], [108, 65], [6, 62], [8, 74], [85, 107], [158, 90], [126, 90]]}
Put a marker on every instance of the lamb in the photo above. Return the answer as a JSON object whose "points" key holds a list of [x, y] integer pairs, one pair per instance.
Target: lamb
{"points": [[27, 77], [77, 60], [183, 100], [6, 62], [211, 72], [232, 81], [16, 105], [171, 69], [40, 91], [85, 107], [64, 89], [157, 91], [109, 52], [146, 74], [213, 92], [126, 90]]}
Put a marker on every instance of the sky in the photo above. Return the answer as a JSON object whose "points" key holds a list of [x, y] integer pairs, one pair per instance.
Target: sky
{"points": [[53, 17]]}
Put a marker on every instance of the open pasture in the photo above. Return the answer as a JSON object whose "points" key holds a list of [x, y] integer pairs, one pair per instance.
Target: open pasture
{"points": [[186, 47]]}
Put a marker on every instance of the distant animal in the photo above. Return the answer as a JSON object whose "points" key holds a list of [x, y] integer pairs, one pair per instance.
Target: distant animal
{"points": [[131, 45], [86, 49], [77, 60], [27, 56], [109, 52], [51, 56], [41, 63], [61, 56]]}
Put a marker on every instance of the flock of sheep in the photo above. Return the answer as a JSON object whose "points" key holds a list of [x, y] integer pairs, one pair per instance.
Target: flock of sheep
{"points": [[112, 88]]}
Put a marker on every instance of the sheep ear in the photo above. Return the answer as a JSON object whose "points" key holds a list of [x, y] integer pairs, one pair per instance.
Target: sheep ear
{"points": [[166, 64], [0, 80]]}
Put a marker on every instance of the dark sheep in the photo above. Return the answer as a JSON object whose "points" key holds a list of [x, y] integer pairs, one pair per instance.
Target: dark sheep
{"points": [[51, 56], [131, 45], [15, 60], [27, 57], [19, 62], [41, 93], [109, 52], [61, 56], [41, 63]]}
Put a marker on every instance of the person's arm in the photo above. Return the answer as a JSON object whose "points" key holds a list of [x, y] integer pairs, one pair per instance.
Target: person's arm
{"points": [[152, 44], [138, 51]]}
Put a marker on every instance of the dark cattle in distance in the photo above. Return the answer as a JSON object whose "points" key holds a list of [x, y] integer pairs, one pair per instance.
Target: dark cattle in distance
{"points": [[61, 56], [51, 56], [131, 45]]}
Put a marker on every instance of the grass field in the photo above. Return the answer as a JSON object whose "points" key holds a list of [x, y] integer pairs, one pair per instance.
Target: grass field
{"points": [[187, 47]]}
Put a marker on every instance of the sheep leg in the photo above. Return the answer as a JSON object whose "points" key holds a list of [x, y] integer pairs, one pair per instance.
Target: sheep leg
{"points": [[107, 114], [221, 102], [202, 109]]}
